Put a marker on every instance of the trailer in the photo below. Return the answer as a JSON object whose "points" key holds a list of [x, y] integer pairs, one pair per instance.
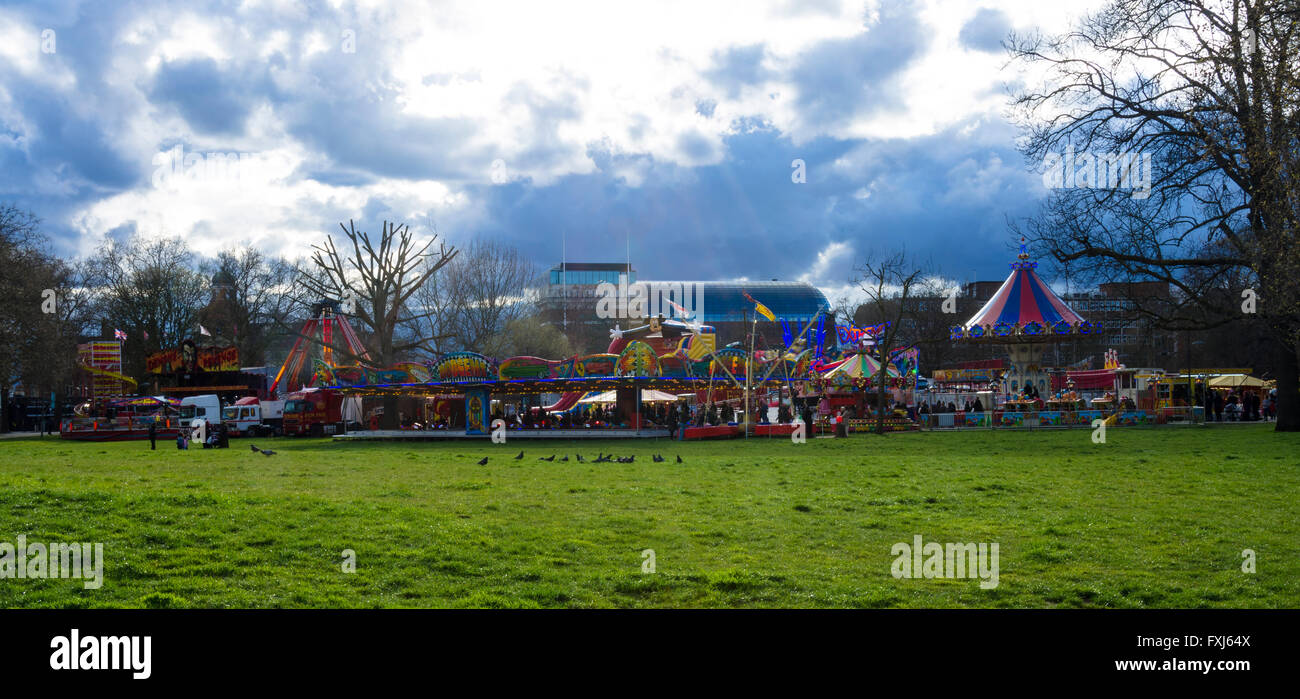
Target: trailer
{"points": [[317, 412]]}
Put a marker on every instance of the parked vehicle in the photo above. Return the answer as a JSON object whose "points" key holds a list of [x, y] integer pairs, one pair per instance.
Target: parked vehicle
{"points": [[205, 407], [254, 418], [317, 412]]}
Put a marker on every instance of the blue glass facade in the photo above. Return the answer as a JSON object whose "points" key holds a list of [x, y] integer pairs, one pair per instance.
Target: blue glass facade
{"points": [[725, 301]]}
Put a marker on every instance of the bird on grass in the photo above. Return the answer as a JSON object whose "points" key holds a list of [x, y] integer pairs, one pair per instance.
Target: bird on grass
{"points": [[546, 458], [267, 452], [566, 458], [679, 458], [483, 462], [580, 459], [658, 459], [253, 447], [521, 455]]}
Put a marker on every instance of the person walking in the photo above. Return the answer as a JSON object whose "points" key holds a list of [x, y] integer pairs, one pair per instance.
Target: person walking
{"points": [[1218, 407], [153, 435]]}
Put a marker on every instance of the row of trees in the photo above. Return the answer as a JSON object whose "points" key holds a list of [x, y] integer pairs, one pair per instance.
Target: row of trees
{"points": [[409, 299]]}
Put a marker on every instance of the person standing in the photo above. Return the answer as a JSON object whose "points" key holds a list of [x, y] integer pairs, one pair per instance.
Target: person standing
{"points": [[153, 435], [1218, 407]]}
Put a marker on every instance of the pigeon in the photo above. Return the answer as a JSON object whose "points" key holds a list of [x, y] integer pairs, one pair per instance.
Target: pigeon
{"points": [[566, 458], [658, 459], [580, 459], [253, 447], [679, 458], [521, 455], [483, 462], [268, 452], [546, 458]]}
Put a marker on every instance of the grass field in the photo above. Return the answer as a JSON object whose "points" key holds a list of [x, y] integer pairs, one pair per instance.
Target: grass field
{"points": [[1152, 518]]}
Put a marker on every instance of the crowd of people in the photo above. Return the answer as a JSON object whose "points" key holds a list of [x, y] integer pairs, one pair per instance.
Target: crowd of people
{"points": [[1240, 407]]}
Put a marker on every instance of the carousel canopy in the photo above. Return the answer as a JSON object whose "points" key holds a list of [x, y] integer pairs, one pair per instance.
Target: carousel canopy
{"points": [[859, 366], [1024, 309]]}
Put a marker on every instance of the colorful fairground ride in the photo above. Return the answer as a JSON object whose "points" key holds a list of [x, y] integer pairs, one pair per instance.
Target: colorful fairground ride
{"points": [[1025, 316], [670, 356]]}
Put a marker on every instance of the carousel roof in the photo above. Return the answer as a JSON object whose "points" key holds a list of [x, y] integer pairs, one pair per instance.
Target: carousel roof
{"points": [[858, 366], [1024, 309]]}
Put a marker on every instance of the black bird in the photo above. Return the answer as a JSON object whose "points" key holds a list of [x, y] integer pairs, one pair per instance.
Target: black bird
{"points": [[253, 447], [580, 460], [547, 458], [657, 458], [679, 458], [268, 452], [566, 458], [483, 462], [521, 455]]}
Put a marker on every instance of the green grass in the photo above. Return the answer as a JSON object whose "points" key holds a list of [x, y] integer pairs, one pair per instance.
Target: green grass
{"points": [[1152, 518]]}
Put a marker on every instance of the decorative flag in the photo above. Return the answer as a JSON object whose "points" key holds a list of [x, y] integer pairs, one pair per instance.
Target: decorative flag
{"points": [[119, 335], [204, 331], [761, 309]]}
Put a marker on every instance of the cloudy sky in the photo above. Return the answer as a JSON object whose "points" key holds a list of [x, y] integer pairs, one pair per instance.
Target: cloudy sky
{"points": [[666, 128]]}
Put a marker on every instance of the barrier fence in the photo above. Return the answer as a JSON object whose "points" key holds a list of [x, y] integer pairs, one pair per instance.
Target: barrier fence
{"points": [[1039, 419]]}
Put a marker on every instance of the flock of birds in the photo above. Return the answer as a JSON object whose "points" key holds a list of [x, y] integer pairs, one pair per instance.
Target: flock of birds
{"points": [[601, 458]]}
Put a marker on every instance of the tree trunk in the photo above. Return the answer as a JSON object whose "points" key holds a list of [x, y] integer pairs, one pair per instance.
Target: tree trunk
{"points": [[4, 409], [1288, 380]]}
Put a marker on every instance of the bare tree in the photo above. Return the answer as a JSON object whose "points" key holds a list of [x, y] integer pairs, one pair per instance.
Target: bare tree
{"points": [[469, 305], [44, 308], [257, 299], [380, 278], [150, 290], [1207, 93], [891, 283]]}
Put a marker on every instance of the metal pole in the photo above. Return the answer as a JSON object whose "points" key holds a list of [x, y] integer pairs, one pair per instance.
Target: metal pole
{"points": [[749, 372]]}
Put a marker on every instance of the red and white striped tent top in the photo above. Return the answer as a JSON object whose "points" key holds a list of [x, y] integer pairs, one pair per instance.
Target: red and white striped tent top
{"points": [[1023, 306]]}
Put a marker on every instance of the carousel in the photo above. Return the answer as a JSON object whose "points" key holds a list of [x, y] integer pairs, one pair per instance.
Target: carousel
{"points": [[1026, 317]]}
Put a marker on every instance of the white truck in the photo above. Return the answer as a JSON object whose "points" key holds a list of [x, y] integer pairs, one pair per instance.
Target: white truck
{"points": [[206, 407], [254, 418]]}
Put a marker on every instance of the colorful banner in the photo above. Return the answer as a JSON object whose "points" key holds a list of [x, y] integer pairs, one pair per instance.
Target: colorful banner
{"points": [[219, 358], [849, 335], [173, 361]]}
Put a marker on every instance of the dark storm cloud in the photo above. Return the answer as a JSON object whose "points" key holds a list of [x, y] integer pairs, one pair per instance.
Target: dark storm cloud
{"points": [[986, 30], [744, 217], [210, 100], [841, 79]]}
